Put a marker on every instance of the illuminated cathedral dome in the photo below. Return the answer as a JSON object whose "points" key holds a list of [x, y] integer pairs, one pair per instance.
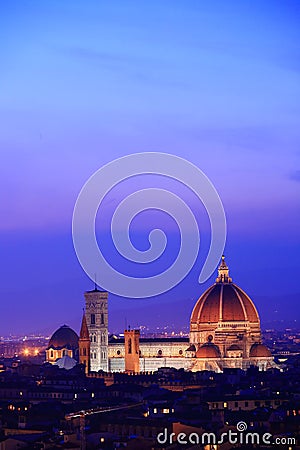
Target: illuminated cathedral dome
{"points": [[64, 337], [259, 351], [226, 317], [224, 301]]}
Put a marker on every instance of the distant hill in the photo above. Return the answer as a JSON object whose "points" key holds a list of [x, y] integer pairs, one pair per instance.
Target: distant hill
{"points": [[281, 309]]}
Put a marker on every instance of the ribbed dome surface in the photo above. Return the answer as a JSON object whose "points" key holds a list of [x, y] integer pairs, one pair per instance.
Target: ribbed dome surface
{"points": [[64, 337], [224, 302]]}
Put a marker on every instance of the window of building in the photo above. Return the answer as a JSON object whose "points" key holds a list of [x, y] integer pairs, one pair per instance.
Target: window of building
{"points": [[102, 318], [118, 352], [95, 338], [159, 352], [246, 404], [236, 404], [180, 352], [129, 345], [93, 319], [51, 353]]}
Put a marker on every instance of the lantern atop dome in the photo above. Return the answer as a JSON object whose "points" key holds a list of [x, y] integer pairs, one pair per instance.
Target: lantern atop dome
{"points": [[223, 272]]}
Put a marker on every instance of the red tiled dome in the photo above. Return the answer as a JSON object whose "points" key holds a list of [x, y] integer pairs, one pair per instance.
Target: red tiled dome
{"points": [[224, 301], [234, 347], [259, 351], [208, 350]]}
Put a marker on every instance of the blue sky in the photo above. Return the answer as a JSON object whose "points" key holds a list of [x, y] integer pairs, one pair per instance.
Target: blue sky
{"points": [[84, 82]]}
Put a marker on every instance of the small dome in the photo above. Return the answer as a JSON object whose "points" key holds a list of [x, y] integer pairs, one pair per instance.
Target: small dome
{"points": [[208, 350], [234, 347], [259, 351], [64, 337], [66, 362]]}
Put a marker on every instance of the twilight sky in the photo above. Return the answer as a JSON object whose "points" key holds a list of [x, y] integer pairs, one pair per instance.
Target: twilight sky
{"points": [[84, 82]]}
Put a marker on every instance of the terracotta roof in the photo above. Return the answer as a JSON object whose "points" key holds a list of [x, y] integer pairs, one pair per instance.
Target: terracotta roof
{"points": [[259, 351], [224, 302], [234, 347], [208, 350]]}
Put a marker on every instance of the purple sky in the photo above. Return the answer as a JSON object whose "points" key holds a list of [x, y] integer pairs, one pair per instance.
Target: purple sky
{"points": [[82, 83]]}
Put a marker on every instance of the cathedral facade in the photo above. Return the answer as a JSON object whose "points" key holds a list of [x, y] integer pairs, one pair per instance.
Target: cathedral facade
{"points": [[224, 333]]}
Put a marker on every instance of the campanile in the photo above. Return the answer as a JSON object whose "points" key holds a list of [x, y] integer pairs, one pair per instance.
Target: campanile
{"points": [[96, 310]]}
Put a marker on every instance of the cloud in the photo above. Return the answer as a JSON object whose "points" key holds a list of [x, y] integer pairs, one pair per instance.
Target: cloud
{"points": [[111, 59], [254, 138], [98, 55], [145, 69]]}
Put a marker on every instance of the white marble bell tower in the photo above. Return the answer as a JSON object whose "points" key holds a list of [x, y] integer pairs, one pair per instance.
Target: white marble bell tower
{"points": [[96, 311]]}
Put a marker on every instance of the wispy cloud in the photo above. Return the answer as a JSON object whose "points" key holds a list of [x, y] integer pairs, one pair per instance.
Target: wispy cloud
{"points": [[144, 69], [100, 56]]}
